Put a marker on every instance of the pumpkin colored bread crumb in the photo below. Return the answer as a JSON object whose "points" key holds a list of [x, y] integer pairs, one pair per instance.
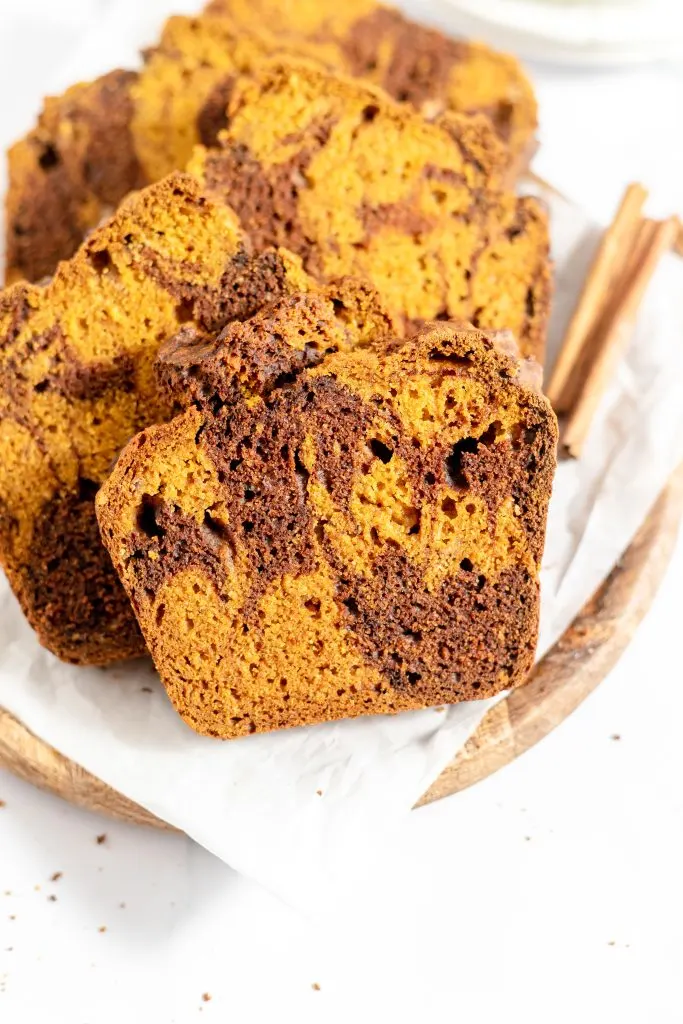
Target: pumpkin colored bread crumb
{"points": [[361, 536], [77, 381], [355, 183], [101, 139]]}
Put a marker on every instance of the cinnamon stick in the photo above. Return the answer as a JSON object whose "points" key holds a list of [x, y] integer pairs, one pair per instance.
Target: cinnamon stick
{"points": [[678, 247], [567, 378], [611, 336]]}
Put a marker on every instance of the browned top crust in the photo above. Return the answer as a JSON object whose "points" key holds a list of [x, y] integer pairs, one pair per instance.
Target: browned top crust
{"points": [[273, 347], [101, 139], [360, 537]]}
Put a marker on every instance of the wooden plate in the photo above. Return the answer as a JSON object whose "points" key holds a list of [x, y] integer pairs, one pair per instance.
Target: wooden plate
{"points": [[577, 663]]}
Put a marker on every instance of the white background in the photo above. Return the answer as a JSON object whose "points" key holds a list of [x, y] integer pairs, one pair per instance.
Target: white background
{"points": [[551, 892]]}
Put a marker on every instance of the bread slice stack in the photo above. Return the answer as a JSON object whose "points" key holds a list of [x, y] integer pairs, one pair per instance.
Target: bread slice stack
{"points": [[102, 139], [311, 349]]}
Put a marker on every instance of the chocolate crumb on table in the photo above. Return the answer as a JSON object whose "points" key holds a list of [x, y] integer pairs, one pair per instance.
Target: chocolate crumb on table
{"points": [[357, 536], [101, 839], [2, 804], [206, 997], [56, 876], [100, 140]]}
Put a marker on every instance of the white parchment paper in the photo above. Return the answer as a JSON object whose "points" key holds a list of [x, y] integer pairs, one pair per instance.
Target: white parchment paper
{"points": [[308, 811]]}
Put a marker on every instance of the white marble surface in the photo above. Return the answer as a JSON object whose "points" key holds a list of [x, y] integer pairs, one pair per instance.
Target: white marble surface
{"points": [[550, 892]]}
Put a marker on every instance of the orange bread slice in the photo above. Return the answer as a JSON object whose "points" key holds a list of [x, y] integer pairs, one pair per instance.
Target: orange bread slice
{"points": [[361, 537], [101, 139], [357, 184], [77, 382], [413, 63]]}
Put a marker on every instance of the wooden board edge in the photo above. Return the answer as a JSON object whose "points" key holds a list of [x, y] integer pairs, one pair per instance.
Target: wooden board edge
{"points": [[36, 762]]}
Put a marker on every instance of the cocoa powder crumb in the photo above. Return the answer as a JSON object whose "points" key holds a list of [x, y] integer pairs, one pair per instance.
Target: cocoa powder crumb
{"points": [[101, 839], [2, 804], [319, 792], [615, 736], [315, 986], [146, 689], [206, 997], [52, 898], [102, 928], [57, 875]]}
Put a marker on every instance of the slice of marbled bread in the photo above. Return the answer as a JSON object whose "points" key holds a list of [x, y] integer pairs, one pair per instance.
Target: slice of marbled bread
{"points": [[360, 536]]}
